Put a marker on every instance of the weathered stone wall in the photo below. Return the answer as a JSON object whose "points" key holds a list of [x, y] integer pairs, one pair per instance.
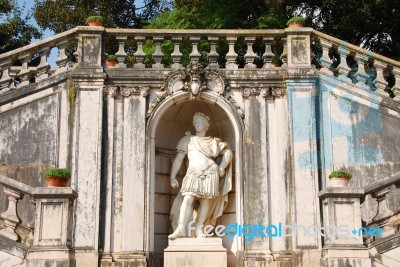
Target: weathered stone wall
{"points": [[358, 133], [29, 144]]}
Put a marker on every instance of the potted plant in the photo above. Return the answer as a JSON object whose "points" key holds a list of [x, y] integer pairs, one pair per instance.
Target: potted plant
{"points": [[295, 22], [57, 177], [339, 178], [111, 61], [95, 21], [276, 61]]}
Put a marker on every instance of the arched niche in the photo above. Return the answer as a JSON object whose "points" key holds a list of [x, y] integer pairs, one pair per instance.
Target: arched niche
{"points": [[166, 127]]}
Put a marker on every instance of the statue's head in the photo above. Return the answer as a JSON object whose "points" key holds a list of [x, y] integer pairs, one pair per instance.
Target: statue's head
{"points": [[201, 121]]}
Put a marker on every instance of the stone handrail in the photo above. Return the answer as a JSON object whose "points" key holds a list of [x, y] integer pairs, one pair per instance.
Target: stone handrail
{"points": [[16, 67], [366, 69], [43, 197], [381, 206]]}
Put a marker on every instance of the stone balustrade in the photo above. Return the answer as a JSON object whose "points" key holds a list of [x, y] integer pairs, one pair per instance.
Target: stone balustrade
{"points": [[381, 207], [224, 49], [352, 64], [247, 49], [30, 63], [52, 226]]}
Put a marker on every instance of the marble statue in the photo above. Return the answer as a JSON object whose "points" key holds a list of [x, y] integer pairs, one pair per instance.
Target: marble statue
{"points": [[207, 182]]}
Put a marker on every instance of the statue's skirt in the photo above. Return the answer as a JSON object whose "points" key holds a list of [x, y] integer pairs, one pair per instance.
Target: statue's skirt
{"points": [[201, 184]]}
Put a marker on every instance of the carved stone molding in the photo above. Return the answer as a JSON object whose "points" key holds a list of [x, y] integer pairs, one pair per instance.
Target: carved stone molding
{"points": [[155, 104], [194, 79], [264, 92], [126, 91]]}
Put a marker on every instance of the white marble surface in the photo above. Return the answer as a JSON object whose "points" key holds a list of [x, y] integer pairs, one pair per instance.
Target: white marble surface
{"points": [[195, 252]]}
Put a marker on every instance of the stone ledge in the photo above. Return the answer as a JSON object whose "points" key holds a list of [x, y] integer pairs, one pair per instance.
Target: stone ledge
{"points": [[341, 192]]}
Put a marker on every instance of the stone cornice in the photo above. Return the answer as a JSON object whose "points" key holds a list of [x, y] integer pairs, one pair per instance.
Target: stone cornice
{"points": [[268, 92], [116, 91]]}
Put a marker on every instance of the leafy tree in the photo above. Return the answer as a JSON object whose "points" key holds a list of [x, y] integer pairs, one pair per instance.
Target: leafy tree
{"points": [[15, 31], [62, 15], [372, 24]]}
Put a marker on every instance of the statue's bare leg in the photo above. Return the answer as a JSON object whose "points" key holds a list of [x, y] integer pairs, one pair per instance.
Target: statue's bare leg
{"points": [[185, 212], [203, 210]]}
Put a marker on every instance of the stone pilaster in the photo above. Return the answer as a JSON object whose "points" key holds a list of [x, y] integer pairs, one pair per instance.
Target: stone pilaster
{"points": [[304, 184], [87, 142], [298, 47], [256, 190]]}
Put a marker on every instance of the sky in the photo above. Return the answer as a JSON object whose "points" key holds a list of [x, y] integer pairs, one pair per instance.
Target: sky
{"points": [[27, 6]]}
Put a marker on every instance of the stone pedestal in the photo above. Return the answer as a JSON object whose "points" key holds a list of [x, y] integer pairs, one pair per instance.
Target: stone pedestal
{"points": [[195, 252], [341, 216], [52, 239]]}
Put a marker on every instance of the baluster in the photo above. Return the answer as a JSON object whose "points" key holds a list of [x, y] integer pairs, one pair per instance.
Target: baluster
{"points": [[43, 66], [195, 55], [62, 56], [231, 55], [250, 55], [396, 87], [383, 209], [284, 53], [361, 75], [25, 72], [343, 68], [10, 215], [326, 61], [158, 55], [213, 55], [176, 54], [121, 54], [5, 80], [139, 54], [380, 81], [268, 55]]}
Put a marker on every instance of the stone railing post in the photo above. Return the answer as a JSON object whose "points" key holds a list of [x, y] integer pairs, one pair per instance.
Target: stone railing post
{"points": [[298, 47], [53, 224], [10, 216], [342, 239]]}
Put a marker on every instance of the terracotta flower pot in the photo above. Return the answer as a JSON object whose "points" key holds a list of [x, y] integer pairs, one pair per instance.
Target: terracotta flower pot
{"points": [[296, 25], [339, 181], [56, 181], [95, 23], [111, 63]]}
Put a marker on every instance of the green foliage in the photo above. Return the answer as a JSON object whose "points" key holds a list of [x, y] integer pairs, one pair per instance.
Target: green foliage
{"points": [[295, 19], [58, 173], [95, 18], [273, 19], [372, 24], [340, 173], [15, 30], [276, 59], [72, 95], [112, 58], [62, 15]]}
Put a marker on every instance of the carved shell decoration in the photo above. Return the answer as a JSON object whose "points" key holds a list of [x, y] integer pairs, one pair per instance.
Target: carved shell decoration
{"points": [[194, 79]]}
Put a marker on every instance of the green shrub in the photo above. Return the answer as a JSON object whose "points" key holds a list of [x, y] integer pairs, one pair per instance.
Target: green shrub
{"points": [[58, 172], [112, 58], [276, 59], [340, 173], [295, 19], [95, 18]]}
